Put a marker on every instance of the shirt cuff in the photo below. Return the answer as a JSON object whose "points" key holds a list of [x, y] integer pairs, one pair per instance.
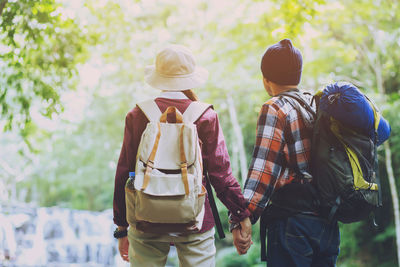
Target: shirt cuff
{"points": [[233, 225], [234, 221], [122, 223], [239, 215]]}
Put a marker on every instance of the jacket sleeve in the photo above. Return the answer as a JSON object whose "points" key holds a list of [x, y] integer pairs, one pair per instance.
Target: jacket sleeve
{"points": [[135, 122], [217, 164]]}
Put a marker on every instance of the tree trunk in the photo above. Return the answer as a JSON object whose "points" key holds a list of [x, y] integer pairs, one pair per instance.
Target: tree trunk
{"points": [[394, 194], [389, 167], [376, 67], [10, 184], [239, 137], [235, 161]]}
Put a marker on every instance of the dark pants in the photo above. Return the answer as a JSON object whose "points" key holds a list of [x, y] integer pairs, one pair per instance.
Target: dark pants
{"points": [[302, 240]]}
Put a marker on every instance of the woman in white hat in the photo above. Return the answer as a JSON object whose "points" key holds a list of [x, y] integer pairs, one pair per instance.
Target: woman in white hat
{"points": [[175, 73]]}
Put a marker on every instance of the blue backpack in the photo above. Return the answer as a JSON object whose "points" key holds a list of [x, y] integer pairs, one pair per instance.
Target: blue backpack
{"points": [[347, 128]]}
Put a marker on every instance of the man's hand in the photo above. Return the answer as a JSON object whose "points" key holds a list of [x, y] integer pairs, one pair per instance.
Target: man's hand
{"points": [[123, 247], [242, 236]]}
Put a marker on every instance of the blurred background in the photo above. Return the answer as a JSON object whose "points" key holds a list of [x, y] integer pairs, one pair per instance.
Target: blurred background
{"points": [[70, 70]]}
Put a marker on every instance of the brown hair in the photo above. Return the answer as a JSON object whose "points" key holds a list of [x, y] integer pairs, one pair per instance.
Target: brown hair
{"points": [[191, 95]]}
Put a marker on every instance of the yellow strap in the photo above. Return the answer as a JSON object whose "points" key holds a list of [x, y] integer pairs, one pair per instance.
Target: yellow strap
{"points": [[146, 178], [183, 162], [377, 116], [129, 190], [359, 182], [150, 161], [185, 177], [319, 93]]}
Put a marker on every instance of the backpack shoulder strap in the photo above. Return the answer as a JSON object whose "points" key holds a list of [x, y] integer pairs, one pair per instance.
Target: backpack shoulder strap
{"points": [[150, 109], [214, 208], [194, 111], [297, 96]]}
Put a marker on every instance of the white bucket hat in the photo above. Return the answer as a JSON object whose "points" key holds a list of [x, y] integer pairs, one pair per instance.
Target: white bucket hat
{"points": [[175, 70]]}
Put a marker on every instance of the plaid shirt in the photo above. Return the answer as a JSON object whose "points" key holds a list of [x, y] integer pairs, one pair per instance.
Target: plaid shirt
{"points": [[282, 142]]}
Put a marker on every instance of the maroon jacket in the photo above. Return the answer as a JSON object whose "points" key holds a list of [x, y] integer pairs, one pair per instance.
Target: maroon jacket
{"points": [[215, 158]]}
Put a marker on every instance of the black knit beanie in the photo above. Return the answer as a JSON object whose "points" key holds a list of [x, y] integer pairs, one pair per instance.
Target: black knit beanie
{"points": [[282, 63]]}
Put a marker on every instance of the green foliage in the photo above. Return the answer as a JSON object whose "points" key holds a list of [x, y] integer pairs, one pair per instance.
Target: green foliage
{"points": [[349, 245], [228, 257], [74, 163], [39, 49], [393, 117], [297, 13], [80, 163]]}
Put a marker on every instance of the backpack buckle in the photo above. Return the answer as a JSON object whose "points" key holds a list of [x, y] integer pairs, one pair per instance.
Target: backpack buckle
{"points": [[333, 97], [184, 165], [150, 164]]}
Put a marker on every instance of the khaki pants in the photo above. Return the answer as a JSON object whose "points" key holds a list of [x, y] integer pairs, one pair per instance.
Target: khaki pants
{"points": [[151, 250]]}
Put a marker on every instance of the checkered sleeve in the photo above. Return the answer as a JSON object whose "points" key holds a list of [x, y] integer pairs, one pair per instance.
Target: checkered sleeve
{"points": [[267, 160]]}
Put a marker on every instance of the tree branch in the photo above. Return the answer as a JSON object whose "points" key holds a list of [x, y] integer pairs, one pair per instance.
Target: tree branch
{"points": [[2, 6], [354, 81], [364, 53]]}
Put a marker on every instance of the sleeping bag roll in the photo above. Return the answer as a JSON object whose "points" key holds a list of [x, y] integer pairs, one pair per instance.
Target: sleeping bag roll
{"points": [[383, 131], [347, 104]]}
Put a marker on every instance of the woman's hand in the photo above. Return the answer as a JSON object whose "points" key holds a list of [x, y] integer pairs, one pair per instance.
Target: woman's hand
{"points": [[123, 247]]}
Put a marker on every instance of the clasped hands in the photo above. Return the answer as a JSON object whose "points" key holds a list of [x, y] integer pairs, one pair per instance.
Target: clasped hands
{"points": [[242, 236]]}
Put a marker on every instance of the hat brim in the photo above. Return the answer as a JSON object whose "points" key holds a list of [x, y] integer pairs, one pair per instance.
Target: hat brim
{"points": [[195, 79]]}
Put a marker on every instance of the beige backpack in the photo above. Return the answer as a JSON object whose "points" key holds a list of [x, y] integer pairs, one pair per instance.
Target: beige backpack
{"points": [[167, 195]]}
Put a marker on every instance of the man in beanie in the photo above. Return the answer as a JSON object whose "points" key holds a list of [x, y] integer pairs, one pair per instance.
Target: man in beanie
{"points": [[277, 188]]}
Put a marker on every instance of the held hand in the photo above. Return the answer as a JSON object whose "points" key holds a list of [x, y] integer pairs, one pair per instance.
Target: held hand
{"points": [[123, 247], [242, 237], [245, 226]]}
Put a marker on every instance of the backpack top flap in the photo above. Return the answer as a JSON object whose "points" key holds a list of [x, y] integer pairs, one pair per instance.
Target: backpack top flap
{"points": [[169, 136], [192, 113], [167, 156]]}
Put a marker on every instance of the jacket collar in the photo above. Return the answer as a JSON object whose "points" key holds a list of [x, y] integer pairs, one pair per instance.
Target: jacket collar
{"points": [[173, 95]]}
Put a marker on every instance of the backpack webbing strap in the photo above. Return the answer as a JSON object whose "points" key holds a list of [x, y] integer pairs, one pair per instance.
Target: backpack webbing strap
{"points": [[150, 109], [184, 164], [263, 237], [377, 176], [194, 111], [295, 95], [334, 208], [214, 209]]}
